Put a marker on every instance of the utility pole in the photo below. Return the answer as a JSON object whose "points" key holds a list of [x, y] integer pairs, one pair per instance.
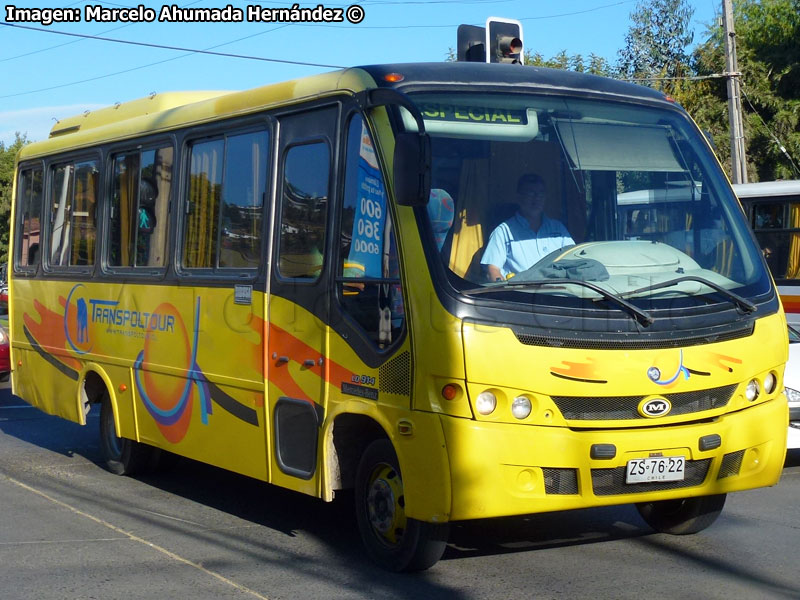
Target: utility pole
{"points": [[738, 160]]}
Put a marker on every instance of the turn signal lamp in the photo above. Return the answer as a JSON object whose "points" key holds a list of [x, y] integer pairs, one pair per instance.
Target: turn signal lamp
{"points": [[393, 77], [450, 391]]}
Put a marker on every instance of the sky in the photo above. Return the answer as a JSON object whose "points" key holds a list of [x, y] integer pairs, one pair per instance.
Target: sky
{"points": [[46, 75]]}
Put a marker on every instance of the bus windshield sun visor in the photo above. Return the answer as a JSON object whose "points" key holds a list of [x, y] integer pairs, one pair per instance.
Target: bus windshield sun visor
{"points": [[596, 146]]}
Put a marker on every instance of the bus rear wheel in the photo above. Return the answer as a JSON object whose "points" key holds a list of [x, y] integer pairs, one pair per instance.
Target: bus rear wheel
{"points": [[393, 540], [122, 456], [683, 516]]}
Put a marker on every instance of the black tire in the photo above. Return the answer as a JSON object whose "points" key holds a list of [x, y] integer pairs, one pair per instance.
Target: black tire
{"points": [[122, 456], [684, 516], [392, 540]]}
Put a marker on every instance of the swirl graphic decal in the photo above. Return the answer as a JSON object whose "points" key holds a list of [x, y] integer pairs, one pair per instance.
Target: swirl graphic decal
{"points": [[169, 400]]}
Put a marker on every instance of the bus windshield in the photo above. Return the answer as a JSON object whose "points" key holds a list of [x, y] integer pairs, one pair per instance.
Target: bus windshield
{"points": [[533, 197]]}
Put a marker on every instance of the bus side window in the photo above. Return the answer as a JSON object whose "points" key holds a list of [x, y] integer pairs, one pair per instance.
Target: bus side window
{"points": [[73, 223], [304, 210], [139, 205], [225, 201], [29, 205], [368, 250]]}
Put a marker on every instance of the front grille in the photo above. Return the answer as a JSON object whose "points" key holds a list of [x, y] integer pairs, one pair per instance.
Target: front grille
{"points": [[608, 482], [560, 481], [632, 342], [591, 408], [731, 463]]}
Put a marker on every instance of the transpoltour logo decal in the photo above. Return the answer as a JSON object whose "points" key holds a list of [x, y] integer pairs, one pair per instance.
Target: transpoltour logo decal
{"points": [[93, 325], [83, 315], [654, 407]]}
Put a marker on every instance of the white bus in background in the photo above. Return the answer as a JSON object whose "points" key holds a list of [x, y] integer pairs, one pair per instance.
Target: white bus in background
{"points": [[773, 211]]}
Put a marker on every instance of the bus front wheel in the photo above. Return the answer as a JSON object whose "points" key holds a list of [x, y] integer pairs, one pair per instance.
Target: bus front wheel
{"points": [[122, 456], [684, 516], [393, 540]]}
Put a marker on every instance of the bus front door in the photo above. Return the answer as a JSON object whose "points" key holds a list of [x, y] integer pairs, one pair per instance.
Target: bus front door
{"points": [[298, 296]]}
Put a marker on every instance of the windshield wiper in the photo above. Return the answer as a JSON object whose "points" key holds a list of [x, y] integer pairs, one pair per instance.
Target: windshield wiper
{"points": [[638, 314], [741, 303]]}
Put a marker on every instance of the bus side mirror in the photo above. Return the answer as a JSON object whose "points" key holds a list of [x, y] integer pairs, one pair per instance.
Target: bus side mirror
{"points": [[412, 168]]}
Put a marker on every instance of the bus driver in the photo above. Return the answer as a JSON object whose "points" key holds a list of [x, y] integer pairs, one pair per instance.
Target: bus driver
{"points": [[519, 242]]}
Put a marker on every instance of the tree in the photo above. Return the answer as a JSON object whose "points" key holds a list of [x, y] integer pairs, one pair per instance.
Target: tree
{"points": [[769, 61], [596, 65], [7, 157], [657, 41]]}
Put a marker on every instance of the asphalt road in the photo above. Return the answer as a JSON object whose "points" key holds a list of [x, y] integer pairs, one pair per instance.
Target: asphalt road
{"points": [[70, 529]]}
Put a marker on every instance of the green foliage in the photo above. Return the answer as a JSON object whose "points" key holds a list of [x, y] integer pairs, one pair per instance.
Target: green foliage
{"points": [[7, 157], [768, 53], [596, 65], [656, 42]]}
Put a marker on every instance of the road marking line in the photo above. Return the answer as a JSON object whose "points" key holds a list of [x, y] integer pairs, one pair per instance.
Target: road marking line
{"points": [[136, 538]]}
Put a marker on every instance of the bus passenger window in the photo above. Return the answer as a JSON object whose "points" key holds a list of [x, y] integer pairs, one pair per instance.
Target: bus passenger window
{"points": [[768, 215], [226, 201], [139, 208], [367, 245], [304, 211], [73, 226], [243, 200], [202, 218], [29, 199]]}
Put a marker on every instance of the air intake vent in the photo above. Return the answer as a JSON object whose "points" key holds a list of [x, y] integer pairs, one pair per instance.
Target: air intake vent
{"points": [[731, 463], [635, 342], [560, 481], [394, 377]]}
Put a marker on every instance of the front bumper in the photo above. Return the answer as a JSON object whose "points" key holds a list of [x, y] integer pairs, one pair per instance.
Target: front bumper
{"points": [[507, 469]]}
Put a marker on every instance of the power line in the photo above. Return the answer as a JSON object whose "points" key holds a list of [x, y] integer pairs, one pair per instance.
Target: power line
{"points": [[178, 48], [772, 135], [54, 87], [450, 26], [678, 78], [77, 41]]}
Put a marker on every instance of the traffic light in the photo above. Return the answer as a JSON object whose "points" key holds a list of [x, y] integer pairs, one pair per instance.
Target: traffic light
{"points": [[499, 42], [503, 40]]}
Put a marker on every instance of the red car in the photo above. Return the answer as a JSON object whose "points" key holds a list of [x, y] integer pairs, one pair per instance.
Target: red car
{"points": [[5, 358]]}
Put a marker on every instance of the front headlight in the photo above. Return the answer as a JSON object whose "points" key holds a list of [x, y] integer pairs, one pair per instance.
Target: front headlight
{"points": [[752, 390], [521, 407], [793, 396], [486, 403]]}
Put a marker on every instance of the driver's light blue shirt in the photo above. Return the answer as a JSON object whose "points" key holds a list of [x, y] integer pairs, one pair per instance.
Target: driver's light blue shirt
{"points": [[514, 247]]}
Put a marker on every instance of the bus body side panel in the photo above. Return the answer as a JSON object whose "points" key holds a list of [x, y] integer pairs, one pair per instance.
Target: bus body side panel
{"points": [[198, 379], [175, 368], [45, 370], [790, 299]]}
